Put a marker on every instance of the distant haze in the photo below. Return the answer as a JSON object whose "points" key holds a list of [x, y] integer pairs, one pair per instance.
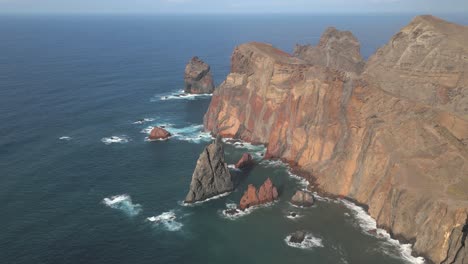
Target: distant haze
{"points": [[233, 6]]}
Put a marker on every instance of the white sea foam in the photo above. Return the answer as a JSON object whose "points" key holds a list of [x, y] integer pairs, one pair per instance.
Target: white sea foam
{"points": [[240, 213], [280, 164], [192, 133], [309, 242], [289, 216], [167, 220], [368, 224], [179, 95], [182, 203], [142, 121], [124, 203], [115, 139], [66, 138]]}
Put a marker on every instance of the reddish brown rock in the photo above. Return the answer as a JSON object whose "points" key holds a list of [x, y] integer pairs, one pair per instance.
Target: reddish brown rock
{"points": [[359, 137], [302, 198], [245, 162], [265, 194], [159, 133], [198, 78]]}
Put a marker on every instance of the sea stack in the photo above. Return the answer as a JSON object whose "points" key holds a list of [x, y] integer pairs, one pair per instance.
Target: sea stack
{"points": [[198, 78], [211, 176], [267, 193], [159, 133], [303, 199]]}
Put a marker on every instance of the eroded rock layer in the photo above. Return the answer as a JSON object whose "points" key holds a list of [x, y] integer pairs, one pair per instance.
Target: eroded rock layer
{"points": [[198, 78], [406, 160], [426, 61]]}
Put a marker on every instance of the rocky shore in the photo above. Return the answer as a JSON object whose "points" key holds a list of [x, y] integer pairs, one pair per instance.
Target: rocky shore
{"points": [[390, 133]]}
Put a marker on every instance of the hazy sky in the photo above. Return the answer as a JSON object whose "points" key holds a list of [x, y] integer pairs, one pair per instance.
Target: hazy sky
{"points": [[234, 6]]}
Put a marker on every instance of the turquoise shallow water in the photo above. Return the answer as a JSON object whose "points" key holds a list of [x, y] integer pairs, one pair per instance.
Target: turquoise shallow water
{"points": [[68, 84]]}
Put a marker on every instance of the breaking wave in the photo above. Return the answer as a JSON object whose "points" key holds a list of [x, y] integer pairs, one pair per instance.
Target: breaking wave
{"points": [[193, 133], [232, 213], [123, 203], [182, 203], [142, 121], [167, 220], [280, 164], [65, 138], [368, 225], [309, 242], [179, 95], [115, 139]]}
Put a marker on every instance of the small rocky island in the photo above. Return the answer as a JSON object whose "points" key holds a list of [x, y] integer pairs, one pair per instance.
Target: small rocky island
{"points": [[198, 78], [211, 176], [159, 133], [267, 193]]}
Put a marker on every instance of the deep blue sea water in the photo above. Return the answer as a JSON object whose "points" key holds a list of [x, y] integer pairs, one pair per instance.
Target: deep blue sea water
{"points": [[91, 77]]}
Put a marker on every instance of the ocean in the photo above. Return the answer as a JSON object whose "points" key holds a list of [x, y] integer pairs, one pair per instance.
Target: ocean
{"points": [[80, 184]]}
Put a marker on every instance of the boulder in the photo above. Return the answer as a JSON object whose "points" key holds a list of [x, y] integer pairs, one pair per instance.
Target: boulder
{"points": [[245, 162], [211, 176], [198, 78], [297, 237], [265, 194], [302, 198], [159, 133]]}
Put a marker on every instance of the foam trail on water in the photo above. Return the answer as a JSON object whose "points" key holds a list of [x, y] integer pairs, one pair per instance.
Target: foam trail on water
{"points": [[182, 203], [66, 138], [232, 213], [309, 242], [178, 95], [124, 203], [367, 224], [167, 220], [115, 139], [142, 121]]}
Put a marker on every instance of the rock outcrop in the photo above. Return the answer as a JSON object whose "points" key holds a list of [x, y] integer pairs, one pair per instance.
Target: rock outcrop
{"points": [[267, 193], [404, 158], [246, 161], [427, 61], [159, 133], [297, 237], [302, 198], [211, 176], [198, 78], [336, 49]]}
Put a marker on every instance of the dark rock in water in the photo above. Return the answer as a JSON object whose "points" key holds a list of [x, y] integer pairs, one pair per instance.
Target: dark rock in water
{"points": [[302, 198], [265, 194], [292, 214], [198, 78], [232, 211], [297, 237], [245, 161], [159, 133], [211, 176]]}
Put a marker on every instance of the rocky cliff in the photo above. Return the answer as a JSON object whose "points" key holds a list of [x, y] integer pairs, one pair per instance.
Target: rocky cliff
{"points": [[404, 158], [336, 49], [426, 61], [198, 78]]}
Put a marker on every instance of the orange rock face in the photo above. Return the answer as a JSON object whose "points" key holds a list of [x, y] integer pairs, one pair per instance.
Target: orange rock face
{"points": [[403, 158], [159, 133], [265, 194], [245, 161]]}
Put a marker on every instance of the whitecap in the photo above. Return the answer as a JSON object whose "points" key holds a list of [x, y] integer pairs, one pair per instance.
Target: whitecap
{"points": [[293, 217], [179, 95], [309, 242], [124, 203], [142, 121], [167, 220], [66, 138], [368, 224], [115, 139]]}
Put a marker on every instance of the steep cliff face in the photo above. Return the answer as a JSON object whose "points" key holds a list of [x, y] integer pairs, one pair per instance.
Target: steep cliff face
{"points": [[426, 61], [336, 49], [406, 160]]}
